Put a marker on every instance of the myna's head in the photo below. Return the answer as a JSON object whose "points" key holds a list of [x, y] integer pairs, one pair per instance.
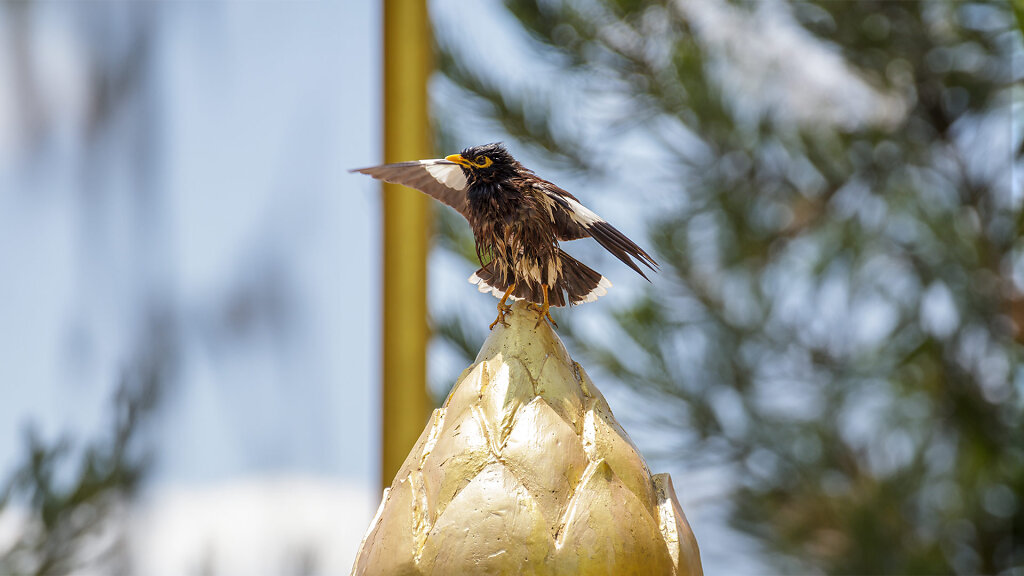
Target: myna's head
{"points": [[488, 163]]}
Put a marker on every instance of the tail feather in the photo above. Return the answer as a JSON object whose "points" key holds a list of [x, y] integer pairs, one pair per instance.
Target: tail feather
{"points": [[487, 281], [581, 282], [576, 284]]}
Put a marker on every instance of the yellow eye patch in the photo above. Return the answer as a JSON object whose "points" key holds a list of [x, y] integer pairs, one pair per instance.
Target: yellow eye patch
{"points": [[482, 162]]}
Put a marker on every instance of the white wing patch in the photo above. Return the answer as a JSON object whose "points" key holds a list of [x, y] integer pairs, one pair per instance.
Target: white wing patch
{"points": [[446, 173], [600, 290], [581, 213]]}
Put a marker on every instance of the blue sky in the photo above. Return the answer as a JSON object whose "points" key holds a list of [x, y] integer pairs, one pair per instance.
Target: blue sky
{"points": [[255, 112], [225, 174]]}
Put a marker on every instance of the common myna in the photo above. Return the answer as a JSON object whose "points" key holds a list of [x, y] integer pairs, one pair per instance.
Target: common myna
{"points": [[518, 219]]}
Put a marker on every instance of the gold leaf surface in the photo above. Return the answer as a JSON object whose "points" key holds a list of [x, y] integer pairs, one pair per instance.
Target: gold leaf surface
{"points": [[525, 471]]}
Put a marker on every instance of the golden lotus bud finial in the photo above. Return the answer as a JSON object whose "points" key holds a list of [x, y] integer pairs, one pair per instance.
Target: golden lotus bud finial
{"points": [[526, 471]]}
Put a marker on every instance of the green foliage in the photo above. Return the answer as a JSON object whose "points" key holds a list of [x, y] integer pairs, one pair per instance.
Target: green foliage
{"points": [[71, 498], [837, 316]]}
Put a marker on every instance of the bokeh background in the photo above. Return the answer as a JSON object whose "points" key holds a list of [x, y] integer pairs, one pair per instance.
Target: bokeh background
{"points": [[829, 362]]}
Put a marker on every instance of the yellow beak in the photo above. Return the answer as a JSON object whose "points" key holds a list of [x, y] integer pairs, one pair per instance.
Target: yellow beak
{"points": [[458, 159]]}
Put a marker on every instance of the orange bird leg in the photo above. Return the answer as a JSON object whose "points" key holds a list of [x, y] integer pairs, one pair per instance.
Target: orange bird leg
{"points": [[544, 311], [503, 308]]}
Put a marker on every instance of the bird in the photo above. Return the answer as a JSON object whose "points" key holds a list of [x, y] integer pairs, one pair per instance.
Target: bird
{"points": [[518, 220]]}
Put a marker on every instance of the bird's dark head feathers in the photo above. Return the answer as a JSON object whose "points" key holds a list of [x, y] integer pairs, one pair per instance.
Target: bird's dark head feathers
{"points": [[487, 163]]}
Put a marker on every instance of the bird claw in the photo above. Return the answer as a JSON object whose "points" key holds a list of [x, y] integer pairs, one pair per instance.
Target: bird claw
{"points": [[546, 316], [503, 308], [542, 315], [502, 311]]}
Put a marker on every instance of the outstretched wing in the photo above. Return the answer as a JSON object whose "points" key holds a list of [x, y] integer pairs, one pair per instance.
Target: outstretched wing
{"points": [[574, 220], [441, 179]]}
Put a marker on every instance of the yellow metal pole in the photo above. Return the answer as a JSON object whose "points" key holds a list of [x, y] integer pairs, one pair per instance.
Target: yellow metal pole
{"points": [[407, 64]]}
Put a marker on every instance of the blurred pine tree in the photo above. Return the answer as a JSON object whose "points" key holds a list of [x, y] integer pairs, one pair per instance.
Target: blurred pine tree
{"points": [[838, 321], [70, 497]]}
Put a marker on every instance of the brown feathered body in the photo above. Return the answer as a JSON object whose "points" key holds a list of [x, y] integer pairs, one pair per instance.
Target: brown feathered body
{"points": [[515, 235], [518, 220]]}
